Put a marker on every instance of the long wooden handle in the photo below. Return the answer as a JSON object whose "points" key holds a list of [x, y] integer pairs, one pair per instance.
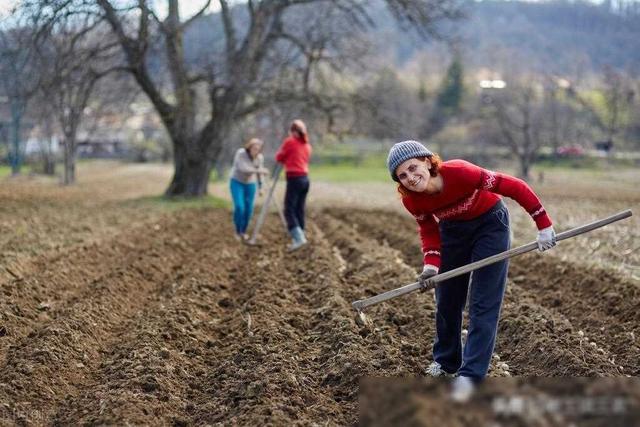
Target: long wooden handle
{"points": [[265, 205], [281, 214], [363, 303]]}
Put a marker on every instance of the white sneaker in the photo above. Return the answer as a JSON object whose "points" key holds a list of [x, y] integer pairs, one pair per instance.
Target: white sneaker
{"points": [[435, 370], [462, 389]]}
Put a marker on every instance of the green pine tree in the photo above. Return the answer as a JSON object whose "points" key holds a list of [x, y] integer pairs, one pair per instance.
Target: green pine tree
{"points": [[449, 100]]}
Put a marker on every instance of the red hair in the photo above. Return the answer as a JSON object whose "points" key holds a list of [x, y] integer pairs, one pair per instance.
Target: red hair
{"points": [[436, 163], [300, 128]]}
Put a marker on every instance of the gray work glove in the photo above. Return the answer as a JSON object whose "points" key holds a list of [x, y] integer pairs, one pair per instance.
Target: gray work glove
{"points": [[428, 271], [546, 239]]}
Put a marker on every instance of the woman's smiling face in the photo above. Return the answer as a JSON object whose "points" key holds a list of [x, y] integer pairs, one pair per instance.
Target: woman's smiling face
{"points": [[414, 174], [255, 149]]}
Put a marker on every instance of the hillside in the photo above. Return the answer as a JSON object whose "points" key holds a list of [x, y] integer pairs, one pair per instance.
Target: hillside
{"points": [[561, 37], [556, 37]]}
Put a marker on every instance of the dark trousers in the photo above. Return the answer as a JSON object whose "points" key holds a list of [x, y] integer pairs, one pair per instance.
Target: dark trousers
{"points": [[294, 200], [464, 242]]}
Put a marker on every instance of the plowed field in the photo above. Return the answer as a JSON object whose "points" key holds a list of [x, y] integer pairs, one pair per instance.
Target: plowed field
{"points": [[148, 316]]}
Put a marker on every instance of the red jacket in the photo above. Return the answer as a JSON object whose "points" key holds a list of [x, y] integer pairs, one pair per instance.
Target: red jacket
{"points": [[468, 192], [294, 153]]}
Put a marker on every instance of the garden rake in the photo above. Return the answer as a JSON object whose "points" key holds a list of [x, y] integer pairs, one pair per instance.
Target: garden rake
{"points": [[265, 206], [360, 305]]}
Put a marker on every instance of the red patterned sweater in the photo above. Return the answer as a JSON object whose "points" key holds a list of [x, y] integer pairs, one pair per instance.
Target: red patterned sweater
{"points": [[468, 191]]}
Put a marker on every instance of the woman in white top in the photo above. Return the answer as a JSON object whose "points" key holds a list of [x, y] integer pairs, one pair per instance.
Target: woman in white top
{"points": [[246, 178]]}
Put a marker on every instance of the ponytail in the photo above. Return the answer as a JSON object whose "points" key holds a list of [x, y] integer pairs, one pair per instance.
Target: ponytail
{"points": [[300, 128]]}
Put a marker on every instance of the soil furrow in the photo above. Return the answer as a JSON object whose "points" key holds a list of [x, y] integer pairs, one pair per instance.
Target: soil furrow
{"points": [[601, 304], [180, 324], [48, 365], [558, 348], [53, 283]]}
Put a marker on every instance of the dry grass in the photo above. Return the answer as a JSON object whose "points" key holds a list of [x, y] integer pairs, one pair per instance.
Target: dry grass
{"points": [[37, 214]]}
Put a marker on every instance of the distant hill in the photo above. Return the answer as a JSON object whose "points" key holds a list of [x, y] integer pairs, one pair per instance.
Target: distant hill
{"points": [[558, 36], [555, 35]]}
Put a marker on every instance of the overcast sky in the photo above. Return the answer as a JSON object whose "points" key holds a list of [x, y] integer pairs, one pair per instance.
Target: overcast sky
{"points": [[5, 6], [187, 7]]}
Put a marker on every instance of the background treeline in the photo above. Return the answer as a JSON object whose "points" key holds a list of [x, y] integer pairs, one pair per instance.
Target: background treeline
{"points": [[475, 79]]}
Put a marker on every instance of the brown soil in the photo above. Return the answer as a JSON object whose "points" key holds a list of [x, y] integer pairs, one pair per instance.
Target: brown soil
{"points": [[163, 318], [37, 214], [176, 322]]}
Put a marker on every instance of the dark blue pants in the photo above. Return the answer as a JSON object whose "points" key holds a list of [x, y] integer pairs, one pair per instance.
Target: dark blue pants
{"points": [[464, 242], [294, 200]]}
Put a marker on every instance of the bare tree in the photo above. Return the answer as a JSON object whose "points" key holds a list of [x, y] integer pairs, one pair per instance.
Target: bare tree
{"points": [[633, 129], [387, 108], [560, 115], [264, 59], [517, 113], [18, 83], [618, 99], [76, 54], [611, 107], [42, 113]]}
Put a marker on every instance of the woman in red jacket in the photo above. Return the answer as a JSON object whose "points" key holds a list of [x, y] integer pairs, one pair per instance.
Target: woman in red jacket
{"points": [[294, 153], [461, 219]]}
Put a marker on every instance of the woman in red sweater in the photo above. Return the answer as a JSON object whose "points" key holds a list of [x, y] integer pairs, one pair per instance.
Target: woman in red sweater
{"points": [[461, 219], [294, 154]]}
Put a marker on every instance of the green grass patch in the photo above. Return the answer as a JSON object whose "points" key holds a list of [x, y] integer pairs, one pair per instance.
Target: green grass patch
{"points": [[5, 170], [215, 178], [371, 168], [172, 204], [345, 172]]}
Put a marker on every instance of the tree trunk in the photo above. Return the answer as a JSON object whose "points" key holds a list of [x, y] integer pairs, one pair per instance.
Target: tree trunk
{"points": [[15, 157], [525, 167], [48, 158], [191, 173], [48, 162], [49, 166], [69, 162]]}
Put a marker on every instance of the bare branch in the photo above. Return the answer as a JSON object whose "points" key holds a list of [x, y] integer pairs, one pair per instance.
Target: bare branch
{"points": [[143, 26], [229, 30], [136, 59], [197, 15]]}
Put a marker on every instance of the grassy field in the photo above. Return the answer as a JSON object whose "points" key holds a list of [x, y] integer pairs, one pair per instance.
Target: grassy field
{"points": [[5, 170], [348, 167], [371, 170]]}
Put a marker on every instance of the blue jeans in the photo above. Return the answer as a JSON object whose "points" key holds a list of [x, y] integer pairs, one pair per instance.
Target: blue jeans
{"points": [[243, 196], [464, 242], [294, 201]]}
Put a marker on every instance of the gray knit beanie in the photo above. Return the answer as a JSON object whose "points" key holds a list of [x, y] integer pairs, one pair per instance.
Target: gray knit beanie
{"points": [[403, 151]]}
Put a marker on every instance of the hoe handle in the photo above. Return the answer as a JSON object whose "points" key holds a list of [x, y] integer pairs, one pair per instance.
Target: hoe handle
{"points": [[364, 303], [265, 205]]}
